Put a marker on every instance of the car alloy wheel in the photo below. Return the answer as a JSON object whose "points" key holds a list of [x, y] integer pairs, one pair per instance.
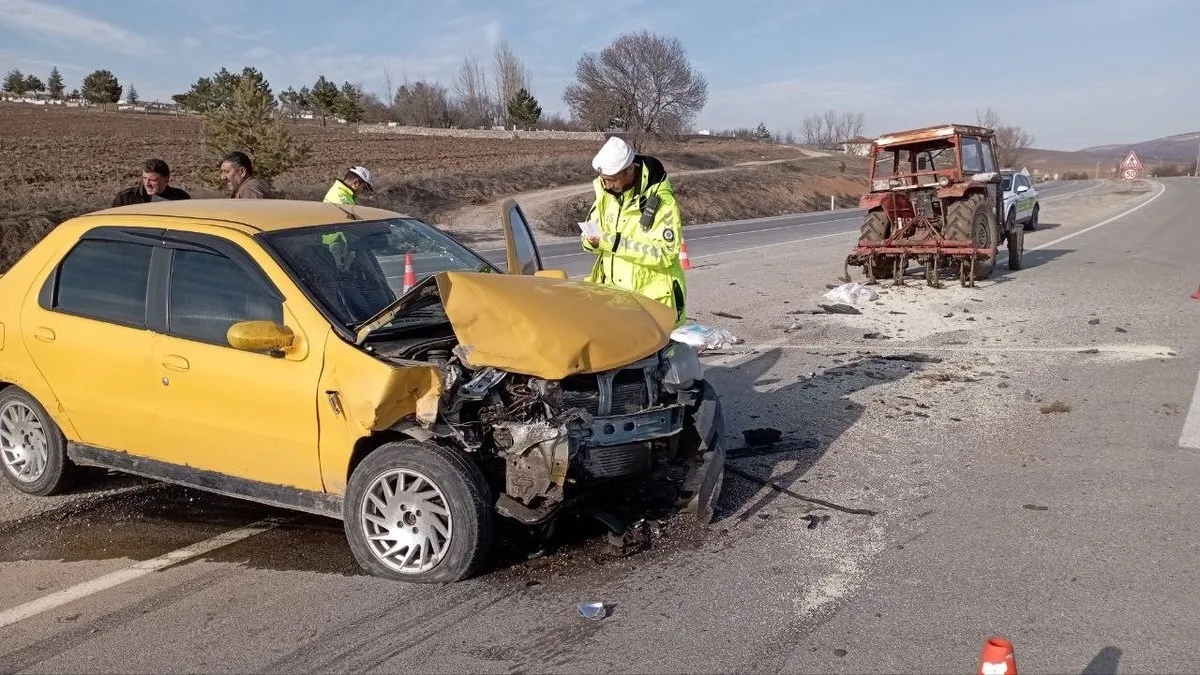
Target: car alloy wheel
{"points": [[23, 442], [406, 519]]}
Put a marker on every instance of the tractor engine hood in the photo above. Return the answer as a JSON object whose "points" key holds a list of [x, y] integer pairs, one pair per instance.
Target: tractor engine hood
{"points": [[540, 326]]}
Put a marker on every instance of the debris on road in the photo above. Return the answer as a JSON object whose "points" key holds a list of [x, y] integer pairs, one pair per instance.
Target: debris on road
{"points": [[1035, 507], [851, 294], [839, 308], [1055, 407], [1094, 322], [634, 539], [756, 438], [935, 378], [593, 611], [814, 520], [914, 358], [876, 336], [703, 338], [727, 315], [1121, 330]]}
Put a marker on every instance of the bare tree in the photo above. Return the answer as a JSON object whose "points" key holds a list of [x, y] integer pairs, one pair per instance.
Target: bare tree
{"points": [[1012, 142], [641, 83], [510, 76], [471, 92], [424, 104], [832, 127]]}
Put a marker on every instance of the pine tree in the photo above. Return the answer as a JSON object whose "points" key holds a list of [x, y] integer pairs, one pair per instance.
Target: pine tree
{"points": [[54, 84], [101, 87], [523, 109], [251, 123], [14, 82], [132, 97], [349, 103]]}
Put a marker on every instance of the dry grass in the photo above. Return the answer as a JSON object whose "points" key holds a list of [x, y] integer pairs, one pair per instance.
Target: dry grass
{"points": [[794, 187], [59, 163]]}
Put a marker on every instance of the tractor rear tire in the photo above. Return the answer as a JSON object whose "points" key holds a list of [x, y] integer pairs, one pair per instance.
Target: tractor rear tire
{"points": [[874, 227], [1016, 245], [972, 220]]}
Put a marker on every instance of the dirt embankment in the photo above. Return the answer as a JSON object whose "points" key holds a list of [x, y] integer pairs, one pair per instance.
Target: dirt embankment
{"points": [[58, 163]]}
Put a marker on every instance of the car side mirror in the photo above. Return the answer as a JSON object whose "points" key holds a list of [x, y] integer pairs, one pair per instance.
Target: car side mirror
{"points": [[1022, 188], [551, 274], [260, 336]]}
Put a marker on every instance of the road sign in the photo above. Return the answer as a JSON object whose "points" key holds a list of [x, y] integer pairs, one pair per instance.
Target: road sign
{"points": [[1132, 162], [1130, 174]]}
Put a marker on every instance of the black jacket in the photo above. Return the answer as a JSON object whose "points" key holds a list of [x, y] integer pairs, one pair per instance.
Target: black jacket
{"points": [[137, 195]]}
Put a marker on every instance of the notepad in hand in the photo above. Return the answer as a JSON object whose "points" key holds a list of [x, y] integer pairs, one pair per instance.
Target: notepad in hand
{"points": [[590, 229]]}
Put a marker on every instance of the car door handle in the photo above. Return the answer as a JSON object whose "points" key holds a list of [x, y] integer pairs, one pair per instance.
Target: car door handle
{"points": [[43, 334], [173, 362]]}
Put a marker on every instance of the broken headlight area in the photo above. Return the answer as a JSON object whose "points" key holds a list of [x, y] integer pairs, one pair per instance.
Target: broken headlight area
{"points": [[546, 443]]}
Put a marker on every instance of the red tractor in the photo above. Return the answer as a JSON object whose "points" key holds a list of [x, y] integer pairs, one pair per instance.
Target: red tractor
{"points": [[935, 199]]}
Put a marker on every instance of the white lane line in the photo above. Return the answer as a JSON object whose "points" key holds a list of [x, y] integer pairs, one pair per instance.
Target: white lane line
{"points": [[141, 569], [1190, 436], [1162, 188], [1147, 351], [778, 243]]}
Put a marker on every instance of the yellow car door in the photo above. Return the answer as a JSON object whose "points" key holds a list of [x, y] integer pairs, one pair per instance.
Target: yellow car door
{"points": [[245, 414], [86, 329]]}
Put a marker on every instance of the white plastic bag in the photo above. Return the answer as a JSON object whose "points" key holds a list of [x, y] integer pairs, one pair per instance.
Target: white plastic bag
{"points": [[704, 338], [852, 294]]}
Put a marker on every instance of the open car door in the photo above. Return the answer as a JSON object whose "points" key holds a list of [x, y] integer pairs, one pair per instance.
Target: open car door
{"points": [[523, 255]]}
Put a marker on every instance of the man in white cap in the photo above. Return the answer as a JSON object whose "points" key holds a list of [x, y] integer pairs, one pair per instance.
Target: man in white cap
{"points": [[346, 190], [640, 227]]}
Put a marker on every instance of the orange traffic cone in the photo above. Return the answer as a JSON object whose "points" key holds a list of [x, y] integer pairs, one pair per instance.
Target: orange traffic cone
{"points": [[998, 658], [410, 276], [1195, 295], [687, 263]]}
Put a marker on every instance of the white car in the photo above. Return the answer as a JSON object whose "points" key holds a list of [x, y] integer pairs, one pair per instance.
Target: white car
{"points": [[1020, 199]]}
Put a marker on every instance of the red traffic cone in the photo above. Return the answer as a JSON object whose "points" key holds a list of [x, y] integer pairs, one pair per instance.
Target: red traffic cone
{"points": [[410, 277], [687, 262], [998, 658]]}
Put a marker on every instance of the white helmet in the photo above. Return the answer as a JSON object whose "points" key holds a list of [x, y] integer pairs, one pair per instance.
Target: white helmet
{"points": [[614, 156], [363, 173]]}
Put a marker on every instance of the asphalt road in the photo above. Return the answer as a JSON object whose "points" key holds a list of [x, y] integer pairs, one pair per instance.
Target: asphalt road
{"points": [[1069, 531]]}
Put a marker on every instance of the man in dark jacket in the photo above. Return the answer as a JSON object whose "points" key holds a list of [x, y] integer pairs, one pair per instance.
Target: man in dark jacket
{"points": [[153, 187]]}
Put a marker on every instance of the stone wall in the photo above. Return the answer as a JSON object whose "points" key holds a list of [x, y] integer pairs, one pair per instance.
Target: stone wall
{"points": [[482, 133]]}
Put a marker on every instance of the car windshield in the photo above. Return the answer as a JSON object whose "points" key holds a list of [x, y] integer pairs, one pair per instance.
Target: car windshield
{"points": [[356, 269], [910, 165]]}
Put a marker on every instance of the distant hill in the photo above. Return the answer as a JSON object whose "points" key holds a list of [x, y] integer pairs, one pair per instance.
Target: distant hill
{"points": [[1179, 148]]}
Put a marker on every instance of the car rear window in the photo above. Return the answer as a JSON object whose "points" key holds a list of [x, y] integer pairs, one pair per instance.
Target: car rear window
{"points": [[105, 280]]}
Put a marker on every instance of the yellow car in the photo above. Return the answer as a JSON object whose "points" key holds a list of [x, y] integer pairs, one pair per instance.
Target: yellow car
{"points": [[349, 362]]}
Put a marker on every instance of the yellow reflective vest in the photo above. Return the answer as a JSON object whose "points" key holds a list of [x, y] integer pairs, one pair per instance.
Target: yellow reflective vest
{"points": [[641, 259], [339, 193]]}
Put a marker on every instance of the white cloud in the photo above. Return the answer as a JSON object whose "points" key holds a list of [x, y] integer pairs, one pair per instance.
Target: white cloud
{"points": [[45, 20], [191, 42]]}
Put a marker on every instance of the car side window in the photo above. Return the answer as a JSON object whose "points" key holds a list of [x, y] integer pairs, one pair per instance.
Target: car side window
{"points": [[209, 293], [105, 280]]}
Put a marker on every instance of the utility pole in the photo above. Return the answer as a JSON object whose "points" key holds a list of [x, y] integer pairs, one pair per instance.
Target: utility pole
{"points": [[1196, 169]]}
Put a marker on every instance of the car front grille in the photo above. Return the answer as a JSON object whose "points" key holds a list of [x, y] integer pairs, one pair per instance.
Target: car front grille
{"points": [[627, 398]]}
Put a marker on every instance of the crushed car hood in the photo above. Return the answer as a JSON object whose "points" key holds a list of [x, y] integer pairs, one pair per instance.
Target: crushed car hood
{"points": [[539, 326], [550, 328]]}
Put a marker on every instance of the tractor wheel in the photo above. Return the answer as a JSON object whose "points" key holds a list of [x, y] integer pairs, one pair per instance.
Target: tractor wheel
{"points": [[971, 219], [875, 227], [1016, 245]]}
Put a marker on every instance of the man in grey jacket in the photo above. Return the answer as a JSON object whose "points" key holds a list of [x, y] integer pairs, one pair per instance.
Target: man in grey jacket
{"points": [[238, 171]]}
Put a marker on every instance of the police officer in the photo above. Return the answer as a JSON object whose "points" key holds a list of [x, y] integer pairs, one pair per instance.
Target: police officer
{"points": [[640, 227], [346, 190]]}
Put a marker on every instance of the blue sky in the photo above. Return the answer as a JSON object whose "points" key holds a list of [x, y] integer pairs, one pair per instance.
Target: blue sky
{"points": [[1074, 73]]}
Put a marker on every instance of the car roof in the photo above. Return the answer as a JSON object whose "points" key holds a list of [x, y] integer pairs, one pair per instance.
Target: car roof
{"points": [[253, 215]]}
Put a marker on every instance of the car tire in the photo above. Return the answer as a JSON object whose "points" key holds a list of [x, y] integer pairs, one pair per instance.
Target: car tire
{"points": [[440, 505], [33, 450], [1032, 224]]}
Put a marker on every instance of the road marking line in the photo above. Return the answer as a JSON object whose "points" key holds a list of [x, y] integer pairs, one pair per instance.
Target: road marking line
{"points": [[141, 569], [778, 243], [1157, 351], [1190, 436], [1162, 188]]}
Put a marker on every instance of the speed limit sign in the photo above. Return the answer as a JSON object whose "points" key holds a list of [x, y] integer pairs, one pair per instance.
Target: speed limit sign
{"points": [[1130, 174]]}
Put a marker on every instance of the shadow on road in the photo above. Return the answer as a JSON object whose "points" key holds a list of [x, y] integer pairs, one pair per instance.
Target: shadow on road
{"points": [[1105, 663]]}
